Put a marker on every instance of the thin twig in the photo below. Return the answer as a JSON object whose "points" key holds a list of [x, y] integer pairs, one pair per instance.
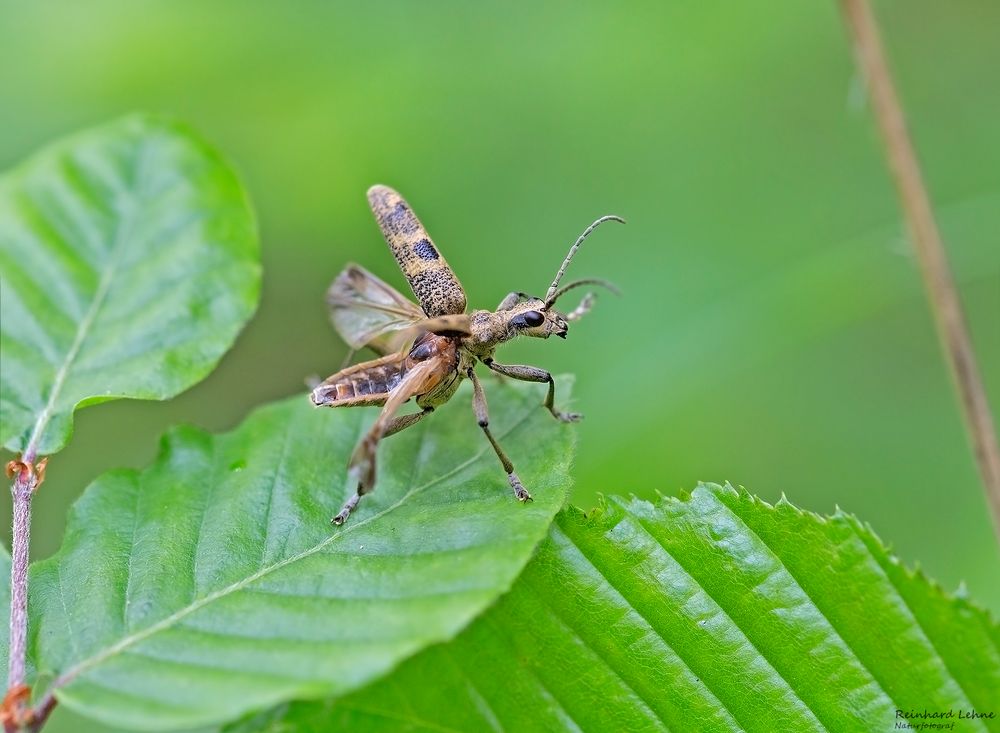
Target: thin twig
{"points": [[27, 476], [926, 238], [21, 493], [42, 711]]}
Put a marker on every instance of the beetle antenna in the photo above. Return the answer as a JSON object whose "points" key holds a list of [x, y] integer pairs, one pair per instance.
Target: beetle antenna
{"points": [[577, 283], [551, 294]]}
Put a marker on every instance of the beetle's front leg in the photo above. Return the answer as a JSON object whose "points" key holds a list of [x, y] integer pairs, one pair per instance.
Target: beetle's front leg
{"points": [[483, 418], [534, 374]]}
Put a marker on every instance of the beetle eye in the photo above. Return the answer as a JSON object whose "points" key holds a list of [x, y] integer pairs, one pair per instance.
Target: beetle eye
{"points": [[533, 318]]}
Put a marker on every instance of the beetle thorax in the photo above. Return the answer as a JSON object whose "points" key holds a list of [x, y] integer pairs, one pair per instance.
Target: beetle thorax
{"points": [[488, 329]]}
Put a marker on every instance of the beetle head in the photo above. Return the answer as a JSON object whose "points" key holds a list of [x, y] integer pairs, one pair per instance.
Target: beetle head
{"points": [[530, 316], [534, 317]]}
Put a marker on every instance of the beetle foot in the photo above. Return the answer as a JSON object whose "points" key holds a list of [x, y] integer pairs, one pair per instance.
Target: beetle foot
{"points": [[345, 511], [520, 492], [567, 416]]}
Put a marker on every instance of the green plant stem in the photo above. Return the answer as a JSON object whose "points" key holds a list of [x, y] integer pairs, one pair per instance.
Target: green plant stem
{"points": [[926, 239]]}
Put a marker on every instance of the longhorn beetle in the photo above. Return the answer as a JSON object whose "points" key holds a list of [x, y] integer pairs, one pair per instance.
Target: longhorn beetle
{"points": [[446, 343]]}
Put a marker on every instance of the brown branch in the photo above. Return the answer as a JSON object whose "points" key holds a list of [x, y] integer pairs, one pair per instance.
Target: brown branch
{"points": [[40, 714], [926, 239], [27, 477]]}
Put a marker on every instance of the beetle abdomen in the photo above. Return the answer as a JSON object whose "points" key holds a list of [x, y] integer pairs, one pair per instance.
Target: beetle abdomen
{"points": [[431, 279], [362, 384]]}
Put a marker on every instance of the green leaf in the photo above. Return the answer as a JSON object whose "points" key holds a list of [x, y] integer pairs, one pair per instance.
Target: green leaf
{"points": [[128, 263], [212, 583], [714, 613]]}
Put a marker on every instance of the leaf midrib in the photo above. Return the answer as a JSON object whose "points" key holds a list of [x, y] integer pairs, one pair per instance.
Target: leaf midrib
{"points": [[74, 671], [124, 226]]}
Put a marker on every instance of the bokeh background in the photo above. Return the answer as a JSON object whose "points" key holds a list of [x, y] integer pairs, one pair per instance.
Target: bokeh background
{"points": [[773, 329]]}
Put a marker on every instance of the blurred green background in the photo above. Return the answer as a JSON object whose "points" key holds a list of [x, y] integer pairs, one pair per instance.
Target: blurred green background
{"points": [[773, 329]]}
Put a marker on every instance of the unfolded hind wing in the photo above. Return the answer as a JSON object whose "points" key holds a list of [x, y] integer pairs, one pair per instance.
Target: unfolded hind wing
{"points": [[366, 311]]}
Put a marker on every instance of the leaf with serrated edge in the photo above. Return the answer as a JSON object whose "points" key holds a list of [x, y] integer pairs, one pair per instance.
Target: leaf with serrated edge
{"points": [[128, 264], [212, 584], [713, 613]]}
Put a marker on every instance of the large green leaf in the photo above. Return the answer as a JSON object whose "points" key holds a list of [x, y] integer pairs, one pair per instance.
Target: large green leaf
{"points": [[714, 613], [128, 263], [212, 583]]}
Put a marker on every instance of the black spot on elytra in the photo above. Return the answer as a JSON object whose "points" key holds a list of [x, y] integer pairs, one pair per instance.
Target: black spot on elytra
{"points": [[401, 220], [425, 250]]}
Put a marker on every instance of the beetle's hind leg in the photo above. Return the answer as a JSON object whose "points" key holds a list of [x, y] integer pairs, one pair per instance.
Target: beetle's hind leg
{"points": [[432, 360], [363, 461], [483, 418], [534, 374]]}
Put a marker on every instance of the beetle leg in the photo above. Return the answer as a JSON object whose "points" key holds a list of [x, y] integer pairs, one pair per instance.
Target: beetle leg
{"points": [[583, 309], [534, 374], [510, 300], [402, 422], [483, 418], [363, 460]]}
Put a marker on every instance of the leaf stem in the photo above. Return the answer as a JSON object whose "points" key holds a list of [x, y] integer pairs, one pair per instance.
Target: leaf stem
{"points": [[926, 239]]}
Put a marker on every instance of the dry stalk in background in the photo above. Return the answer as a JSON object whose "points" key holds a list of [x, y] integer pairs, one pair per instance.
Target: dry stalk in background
{"points": [[926, 239]]}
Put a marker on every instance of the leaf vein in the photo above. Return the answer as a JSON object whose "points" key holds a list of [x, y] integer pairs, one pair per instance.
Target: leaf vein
{"points": [[206, 504], [923, 632], [687, 571], [131, 554], [124, 226], [278, 471], [412, 719], [798, 583], [525, 669], [90, 662], [574, 629], [479, 700]]}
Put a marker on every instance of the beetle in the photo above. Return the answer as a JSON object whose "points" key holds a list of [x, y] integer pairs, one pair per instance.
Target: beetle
{"points": [[425, 352]]}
